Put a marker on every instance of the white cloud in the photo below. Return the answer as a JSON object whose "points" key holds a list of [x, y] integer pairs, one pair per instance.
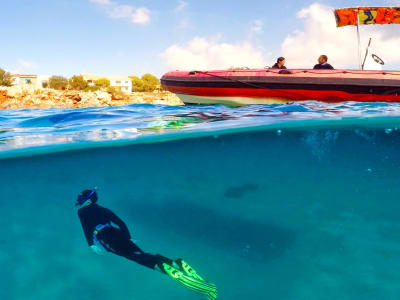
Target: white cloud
{"points": [[26, 64], [202, 53], [24, 67], [101, 2], [121, 12], [134, 15], [256, 26], [321, 36], [180, 9], [181, 6], [141, 16]]}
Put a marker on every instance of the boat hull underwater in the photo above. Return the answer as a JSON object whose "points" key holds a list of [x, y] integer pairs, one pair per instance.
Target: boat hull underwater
{"points": [[266, 86]]}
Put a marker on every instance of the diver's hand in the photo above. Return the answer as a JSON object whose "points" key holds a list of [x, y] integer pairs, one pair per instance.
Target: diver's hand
{"points": [[97, 250]]}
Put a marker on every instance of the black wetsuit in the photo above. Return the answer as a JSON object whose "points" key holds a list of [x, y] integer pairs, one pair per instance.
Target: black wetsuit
{"points": [[113, 239], [323, 66], [276, 66]]}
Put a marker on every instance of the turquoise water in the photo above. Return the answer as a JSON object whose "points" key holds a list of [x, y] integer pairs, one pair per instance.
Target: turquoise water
{"points": [[269, 202]]}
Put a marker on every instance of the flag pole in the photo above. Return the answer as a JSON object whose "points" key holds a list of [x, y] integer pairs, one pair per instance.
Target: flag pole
{"points": [[359, 42]]}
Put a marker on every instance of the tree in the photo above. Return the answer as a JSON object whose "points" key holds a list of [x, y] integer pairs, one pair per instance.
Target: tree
{"points": [[78, 83], [150, 82], [137, 84], [58, 82], [92, 88], [102, 82], [5, 78]]}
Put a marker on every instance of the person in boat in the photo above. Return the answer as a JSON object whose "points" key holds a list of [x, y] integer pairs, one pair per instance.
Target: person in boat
{"points": [[323, 63], [105, 231], [280, 63]]}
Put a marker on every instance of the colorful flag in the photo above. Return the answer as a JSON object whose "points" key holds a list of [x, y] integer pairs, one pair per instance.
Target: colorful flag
{"points": [[367, 15]]}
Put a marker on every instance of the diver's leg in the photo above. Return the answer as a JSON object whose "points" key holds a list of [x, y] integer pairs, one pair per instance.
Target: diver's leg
{"points": [[113, 241], [172, 269], [146, 259]]}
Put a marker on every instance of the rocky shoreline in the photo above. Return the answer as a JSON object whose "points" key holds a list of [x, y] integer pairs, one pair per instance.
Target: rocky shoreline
{"points": [[25, 98]]}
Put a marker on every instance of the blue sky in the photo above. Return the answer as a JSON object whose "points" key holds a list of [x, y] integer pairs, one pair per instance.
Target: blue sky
{"points": [[113, 37]]}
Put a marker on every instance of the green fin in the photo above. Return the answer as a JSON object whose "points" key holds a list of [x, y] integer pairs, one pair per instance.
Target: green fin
{"points": [[189, 282], [188, 269], [210, 295]]}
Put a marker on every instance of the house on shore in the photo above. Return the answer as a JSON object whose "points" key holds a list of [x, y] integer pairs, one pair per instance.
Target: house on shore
{"points": [[23, 80], [123, 83], [29, 80]]}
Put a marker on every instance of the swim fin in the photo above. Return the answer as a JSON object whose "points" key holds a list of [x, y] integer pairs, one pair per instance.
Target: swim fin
{"points": [[188, 270], [202, 287], [212, 295]]}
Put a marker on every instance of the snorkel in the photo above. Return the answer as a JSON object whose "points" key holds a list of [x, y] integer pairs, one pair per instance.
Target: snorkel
{"points": [[81, 201]]}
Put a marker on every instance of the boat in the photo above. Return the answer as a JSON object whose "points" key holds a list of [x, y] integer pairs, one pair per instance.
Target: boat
{"points": [[268, 86]]}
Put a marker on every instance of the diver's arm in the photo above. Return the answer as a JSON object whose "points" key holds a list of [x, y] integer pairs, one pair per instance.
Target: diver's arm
{"points": [[122, 226], [97, 250], [86, 231]]}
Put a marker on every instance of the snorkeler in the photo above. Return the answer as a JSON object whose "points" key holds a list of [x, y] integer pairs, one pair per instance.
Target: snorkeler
{"points": [[104, 229]]}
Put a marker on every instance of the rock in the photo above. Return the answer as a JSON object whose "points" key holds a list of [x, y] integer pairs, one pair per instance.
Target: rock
{"points": [[16, 97], [73, 95], [3, 95], [14, 91], [119, 95], [103, 96]]}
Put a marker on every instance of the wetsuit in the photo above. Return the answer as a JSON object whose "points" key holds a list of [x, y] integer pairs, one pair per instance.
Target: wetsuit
{"points": [[276, 66], [100, 223], [323, 66]]}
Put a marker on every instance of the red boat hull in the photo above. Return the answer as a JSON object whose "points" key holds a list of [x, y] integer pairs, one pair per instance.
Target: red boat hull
{"points": [[240, 87]]}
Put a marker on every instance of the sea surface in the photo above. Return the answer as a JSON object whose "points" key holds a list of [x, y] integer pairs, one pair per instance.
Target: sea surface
{"points": [[288, 202]]}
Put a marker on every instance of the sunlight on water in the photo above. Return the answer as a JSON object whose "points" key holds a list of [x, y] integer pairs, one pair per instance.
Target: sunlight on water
{"points": [[29, 128]]}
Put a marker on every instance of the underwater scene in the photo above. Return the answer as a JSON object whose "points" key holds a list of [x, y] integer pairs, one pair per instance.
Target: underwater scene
{"points": [[290, 202]]}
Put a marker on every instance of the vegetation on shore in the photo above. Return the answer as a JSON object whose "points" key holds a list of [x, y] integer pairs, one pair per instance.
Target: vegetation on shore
{"points": [[147, 83], [76, 92], [77, 83], [58, 83], [5, 78]]}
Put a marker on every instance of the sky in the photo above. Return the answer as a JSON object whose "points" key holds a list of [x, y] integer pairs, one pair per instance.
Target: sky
{"points": [[134, 37]]}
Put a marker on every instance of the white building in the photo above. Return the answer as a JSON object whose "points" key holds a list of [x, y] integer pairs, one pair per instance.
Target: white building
{"points": [[33, 81], [43, 81], [123, 83], [23, 80]]}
